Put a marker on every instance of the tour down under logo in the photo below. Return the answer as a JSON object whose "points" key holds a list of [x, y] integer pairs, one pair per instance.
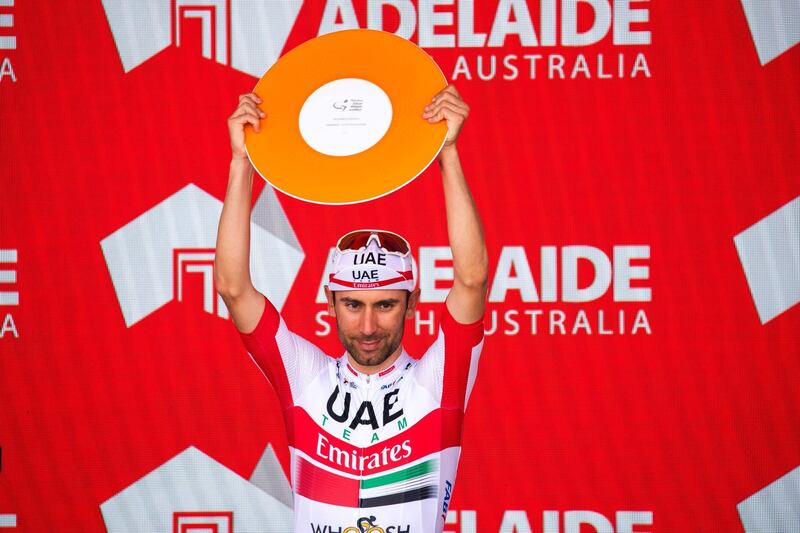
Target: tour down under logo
{"points": [[774, 26], [193, 492], [246, 35], [151, 257]]}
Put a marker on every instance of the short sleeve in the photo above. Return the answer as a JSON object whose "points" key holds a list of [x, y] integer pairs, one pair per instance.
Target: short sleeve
{"points": [[287, 360], [449, 367], [470, 334]]}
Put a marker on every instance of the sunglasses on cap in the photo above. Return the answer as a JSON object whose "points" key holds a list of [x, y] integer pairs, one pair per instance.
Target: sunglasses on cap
{"points": [[391, 242]]}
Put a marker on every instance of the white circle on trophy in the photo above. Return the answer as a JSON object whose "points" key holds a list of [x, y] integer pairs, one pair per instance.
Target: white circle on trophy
{"points": [[345, 117]]}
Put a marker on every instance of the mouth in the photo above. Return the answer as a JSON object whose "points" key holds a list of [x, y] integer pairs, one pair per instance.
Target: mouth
{"points": [[369, 346]]}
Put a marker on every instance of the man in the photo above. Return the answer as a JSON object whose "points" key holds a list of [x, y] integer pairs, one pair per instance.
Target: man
{"points": [[374, 435]]}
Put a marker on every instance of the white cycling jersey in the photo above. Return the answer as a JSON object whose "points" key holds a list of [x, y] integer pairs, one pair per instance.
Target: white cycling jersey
{"points": [[370, 453]]}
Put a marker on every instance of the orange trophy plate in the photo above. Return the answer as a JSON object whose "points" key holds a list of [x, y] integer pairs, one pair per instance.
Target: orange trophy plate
{"points": [[344, 117]]}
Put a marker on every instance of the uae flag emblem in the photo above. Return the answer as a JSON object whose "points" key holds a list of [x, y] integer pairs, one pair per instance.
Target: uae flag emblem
{"points": [[406, 484]]}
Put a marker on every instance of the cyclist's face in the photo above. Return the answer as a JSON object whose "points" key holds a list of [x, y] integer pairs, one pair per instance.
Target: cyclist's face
{"points": [[370, 323]]}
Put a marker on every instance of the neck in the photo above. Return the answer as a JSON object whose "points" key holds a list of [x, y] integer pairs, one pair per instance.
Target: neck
{"points": [[376, 368]]}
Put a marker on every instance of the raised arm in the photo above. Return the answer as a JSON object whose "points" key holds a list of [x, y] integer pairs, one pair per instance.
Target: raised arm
{"points": [[467, 299], [232, 260]]}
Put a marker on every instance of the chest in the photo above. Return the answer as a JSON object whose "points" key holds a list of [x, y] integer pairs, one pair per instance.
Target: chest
{"points": [[365, 414]]}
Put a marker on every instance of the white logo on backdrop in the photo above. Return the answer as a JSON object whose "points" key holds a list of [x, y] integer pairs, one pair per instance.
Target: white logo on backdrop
{"points": [[769, 251], [193, 492], [151, 257], [620, 521], [7, 42], [774, 507], [10, 298], [549, 296], [247, 35], [774, 24], [8, 275], [8, 520]]}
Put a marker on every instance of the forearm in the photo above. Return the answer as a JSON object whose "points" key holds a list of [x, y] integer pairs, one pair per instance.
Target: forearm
{"points": [[464, 229], [232, 263]]}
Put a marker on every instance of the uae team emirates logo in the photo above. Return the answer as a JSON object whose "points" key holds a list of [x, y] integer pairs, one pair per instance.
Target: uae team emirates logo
{"points": [[151, 258]]}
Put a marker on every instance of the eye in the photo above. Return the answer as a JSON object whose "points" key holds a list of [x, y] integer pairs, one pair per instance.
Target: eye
{"points": [[385, 306], [351, 305]]}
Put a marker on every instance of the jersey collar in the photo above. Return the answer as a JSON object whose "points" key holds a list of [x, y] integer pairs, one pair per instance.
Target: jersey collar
{"points": [[385, 376]]}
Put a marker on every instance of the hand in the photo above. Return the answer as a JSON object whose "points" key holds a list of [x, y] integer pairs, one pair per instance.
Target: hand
{"points": [[246, 113], [448, 105]]}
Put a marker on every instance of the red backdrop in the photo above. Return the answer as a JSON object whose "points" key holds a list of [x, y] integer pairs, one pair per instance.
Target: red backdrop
{"points": [[683, 418]]}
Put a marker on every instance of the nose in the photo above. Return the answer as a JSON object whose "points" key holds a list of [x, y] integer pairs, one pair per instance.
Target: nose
{"points": [[369, 322]]}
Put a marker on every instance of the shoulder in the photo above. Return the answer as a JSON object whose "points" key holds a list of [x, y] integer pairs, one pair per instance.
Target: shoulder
{"points": [[471, 333]]}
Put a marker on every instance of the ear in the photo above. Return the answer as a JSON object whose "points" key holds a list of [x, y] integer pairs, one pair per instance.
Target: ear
{"points": [[331, 304], [413, 299]]}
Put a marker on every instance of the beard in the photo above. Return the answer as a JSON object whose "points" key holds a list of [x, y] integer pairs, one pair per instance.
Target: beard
{"points": [[387, 345]]}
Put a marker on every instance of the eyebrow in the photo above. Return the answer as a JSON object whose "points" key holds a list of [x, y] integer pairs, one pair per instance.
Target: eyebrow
{"points": [[347, 299]]}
